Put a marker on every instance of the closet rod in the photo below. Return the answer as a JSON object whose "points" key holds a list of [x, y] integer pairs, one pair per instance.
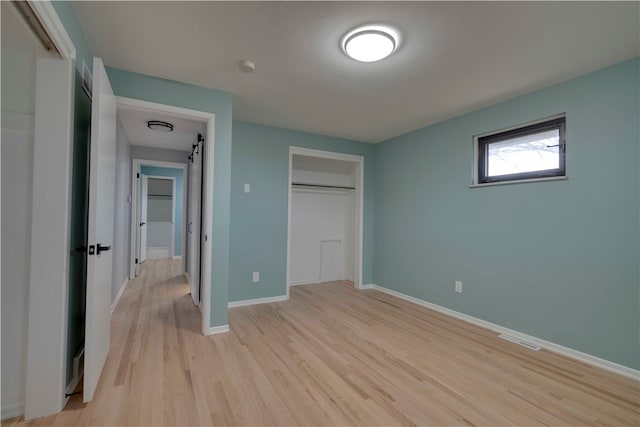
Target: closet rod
{"points": [[322, 186]]}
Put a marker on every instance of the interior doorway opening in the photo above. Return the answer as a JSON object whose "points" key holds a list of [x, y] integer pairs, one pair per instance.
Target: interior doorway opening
{"points": [[161, 207], [188, 236], [325, 217]]}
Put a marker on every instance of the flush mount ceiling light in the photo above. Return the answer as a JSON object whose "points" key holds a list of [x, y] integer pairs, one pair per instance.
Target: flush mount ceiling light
{"points": [[160, 126], [371, 43]]}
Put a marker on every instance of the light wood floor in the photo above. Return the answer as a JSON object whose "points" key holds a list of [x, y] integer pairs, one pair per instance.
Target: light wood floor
{"points": [[330, 355]]}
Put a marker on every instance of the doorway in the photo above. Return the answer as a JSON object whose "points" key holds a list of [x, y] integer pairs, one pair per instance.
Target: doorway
{"points": [[325, 217], [160, 211], [193, 236], [159, 218]]}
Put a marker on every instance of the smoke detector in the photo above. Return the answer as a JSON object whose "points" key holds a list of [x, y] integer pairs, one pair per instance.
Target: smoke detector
{"points": [[246, 66]]}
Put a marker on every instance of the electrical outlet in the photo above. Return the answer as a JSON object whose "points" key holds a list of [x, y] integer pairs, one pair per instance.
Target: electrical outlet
{"points": [[256, 276], [247, 188], [458, 287]]}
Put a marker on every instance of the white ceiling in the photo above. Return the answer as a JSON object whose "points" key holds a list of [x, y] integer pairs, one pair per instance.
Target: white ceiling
{"points": [[454, 57], [183, 136]]}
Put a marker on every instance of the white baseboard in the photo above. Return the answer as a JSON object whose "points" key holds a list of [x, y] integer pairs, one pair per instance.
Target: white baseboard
{"points": [[177, 257], [12, 410], [315, 282], [115, 301], [556, 348], [242, 303], [367, 286], [304, 282], [216, 330]]}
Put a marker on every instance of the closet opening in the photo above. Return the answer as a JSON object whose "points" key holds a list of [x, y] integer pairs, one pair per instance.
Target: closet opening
{"points": [[325, 217]]}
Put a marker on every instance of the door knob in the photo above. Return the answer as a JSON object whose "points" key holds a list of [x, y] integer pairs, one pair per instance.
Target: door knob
{"points": [[102, 248], [142, 223]]}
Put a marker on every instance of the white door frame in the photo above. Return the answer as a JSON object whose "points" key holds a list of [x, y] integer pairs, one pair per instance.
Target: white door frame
{"points": [[48, 287], [173, 213], [173, 205], [359, 206], [137, 163], [207, 207]]}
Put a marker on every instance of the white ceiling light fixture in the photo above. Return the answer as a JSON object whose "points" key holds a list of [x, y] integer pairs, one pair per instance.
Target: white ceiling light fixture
{"points": [[370, 43]]}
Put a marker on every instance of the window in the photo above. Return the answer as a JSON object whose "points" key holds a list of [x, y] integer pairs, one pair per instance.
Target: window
{"points": [[535, 150]]}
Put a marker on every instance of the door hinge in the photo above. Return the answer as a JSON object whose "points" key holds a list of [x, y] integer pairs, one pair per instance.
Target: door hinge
{"points": [[138, 175], [136, 260]]}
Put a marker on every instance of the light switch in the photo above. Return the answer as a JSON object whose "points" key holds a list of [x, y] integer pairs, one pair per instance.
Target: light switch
{"points": [[247, 188]]}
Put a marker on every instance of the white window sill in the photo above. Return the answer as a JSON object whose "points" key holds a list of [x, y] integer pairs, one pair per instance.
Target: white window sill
{"points": [[520, 181]]}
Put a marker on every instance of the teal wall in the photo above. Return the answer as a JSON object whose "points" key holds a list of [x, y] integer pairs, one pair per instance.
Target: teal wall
{"points": [[169, 92], [178, 224], [259, 218], [558, 260], [68, 17]]}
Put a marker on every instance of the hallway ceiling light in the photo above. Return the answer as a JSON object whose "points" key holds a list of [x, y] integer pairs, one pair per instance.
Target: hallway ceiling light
{"points": [[370, 44], [160, 126]]}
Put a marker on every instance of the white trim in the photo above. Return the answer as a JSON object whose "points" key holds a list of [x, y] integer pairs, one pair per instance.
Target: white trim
{"points": [[243, 303], [207, 208], [206, 225], [304, 282], [117, 298], [368, 286], [359, 207], [289, 193], [12, 410], [177, 257], [216, 330], [520, 181], [185, 113], [556, 348], [18, 121], [52, 24], [50, 223]]}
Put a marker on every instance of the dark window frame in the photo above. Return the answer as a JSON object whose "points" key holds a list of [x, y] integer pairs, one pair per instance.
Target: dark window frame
{"points": [[483, 142]]}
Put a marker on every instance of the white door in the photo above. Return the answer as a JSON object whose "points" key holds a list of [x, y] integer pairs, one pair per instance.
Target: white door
{"points": [[144, 196], [330, 260], [101, 199], [193, 228]]}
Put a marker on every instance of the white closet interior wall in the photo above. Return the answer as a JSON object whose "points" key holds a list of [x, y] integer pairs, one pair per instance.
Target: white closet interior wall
{"points": [[322, 221]]}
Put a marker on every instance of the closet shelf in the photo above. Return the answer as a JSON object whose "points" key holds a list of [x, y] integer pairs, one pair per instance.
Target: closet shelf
{"points": [[300, 184]]}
